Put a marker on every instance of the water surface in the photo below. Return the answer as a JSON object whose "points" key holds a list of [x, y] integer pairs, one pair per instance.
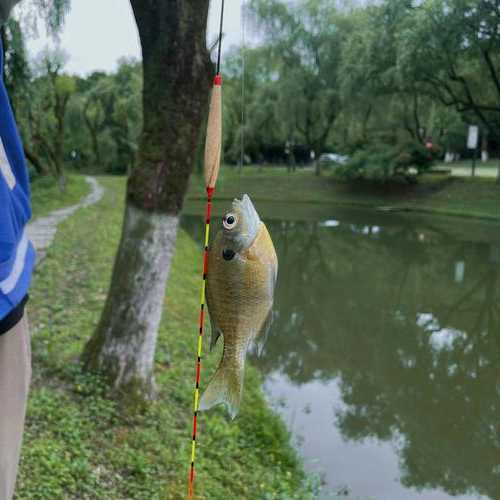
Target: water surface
{"points": [[384, 355]]}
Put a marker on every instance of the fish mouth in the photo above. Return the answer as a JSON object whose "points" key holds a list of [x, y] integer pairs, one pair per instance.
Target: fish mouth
{"points": [[246, 208], [249, 222]]}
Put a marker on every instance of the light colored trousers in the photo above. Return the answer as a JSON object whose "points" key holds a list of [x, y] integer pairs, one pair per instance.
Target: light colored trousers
{"points": [[15, 376]]}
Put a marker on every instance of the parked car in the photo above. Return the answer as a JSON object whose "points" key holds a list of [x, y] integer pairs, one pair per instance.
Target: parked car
{"points": [[332, 159]]}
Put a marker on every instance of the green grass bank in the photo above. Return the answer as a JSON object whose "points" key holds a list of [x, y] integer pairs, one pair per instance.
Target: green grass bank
{"points": [[478, 197], [79, 445]]}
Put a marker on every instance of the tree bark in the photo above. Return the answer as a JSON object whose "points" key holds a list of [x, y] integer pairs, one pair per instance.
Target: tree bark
{"points": [[317, 164], [93, 130], [35, 161], [176, 69], [484, 146], [364, 125], [124, 344]]}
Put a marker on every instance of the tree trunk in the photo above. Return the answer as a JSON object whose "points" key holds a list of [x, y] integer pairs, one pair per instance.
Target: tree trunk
{"points": [[124, 344], [94, 139], [59, 164], [364, 126], [60, 115], [484, 146], [317, 163], [35, 161], [96, 149], [317, 167], [176, 72]]}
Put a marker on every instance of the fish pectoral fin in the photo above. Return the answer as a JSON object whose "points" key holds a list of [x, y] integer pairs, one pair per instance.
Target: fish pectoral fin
{"points": [[226, 388], [266, 325], [262, 337], [214, 336]]}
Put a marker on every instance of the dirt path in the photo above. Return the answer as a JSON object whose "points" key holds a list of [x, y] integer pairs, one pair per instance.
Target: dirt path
{"points": [[43, 230]]}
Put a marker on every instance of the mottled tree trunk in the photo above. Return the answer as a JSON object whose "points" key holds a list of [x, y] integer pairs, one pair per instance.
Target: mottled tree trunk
{"points": [[484, 146], [124, 344], [176, 86], [93, 130], [35, 161], [317, 154], [60, 105]]}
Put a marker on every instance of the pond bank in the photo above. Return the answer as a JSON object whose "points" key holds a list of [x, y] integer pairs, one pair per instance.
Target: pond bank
{"points": [[78, 444], [465, 197]]}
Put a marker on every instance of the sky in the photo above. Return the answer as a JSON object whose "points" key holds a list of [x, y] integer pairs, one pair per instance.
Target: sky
{"points": [[99, 32]]}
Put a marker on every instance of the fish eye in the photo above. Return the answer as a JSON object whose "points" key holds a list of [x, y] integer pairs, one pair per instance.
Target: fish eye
{"points": [[229, 221]]}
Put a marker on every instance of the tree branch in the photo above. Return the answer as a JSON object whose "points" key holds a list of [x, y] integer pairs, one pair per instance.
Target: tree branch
{"points": [[491, 68]]}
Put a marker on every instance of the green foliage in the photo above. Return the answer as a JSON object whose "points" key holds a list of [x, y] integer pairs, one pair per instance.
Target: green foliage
{"points": [[414, 154], [368, 164], [291, 80], [324, 77], [387, 72], [51, 12], [16, 68], [92, 123], [111, 111], [80, 444], [88, 123], [54, 12], [45, 112], [451, 50], [383, 163]]}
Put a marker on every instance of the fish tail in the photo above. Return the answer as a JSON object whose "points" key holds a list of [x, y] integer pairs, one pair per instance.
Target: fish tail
{"points": [[226, 386]]}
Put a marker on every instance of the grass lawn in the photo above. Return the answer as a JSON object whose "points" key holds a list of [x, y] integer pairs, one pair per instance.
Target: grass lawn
{"points": [[479, 197], [46, 196], [79, 445]]}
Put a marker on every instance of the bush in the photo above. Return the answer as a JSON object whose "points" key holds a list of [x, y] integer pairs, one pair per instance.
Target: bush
{"points": [[414, 154], [382, 163]]}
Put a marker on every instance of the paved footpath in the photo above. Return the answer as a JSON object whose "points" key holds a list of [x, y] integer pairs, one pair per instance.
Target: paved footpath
{"points": [[43, 230], [465, 171]]}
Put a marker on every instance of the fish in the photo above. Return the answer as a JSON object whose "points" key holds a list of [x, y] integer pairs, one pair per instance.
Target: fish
{"points": [[241, 279]]}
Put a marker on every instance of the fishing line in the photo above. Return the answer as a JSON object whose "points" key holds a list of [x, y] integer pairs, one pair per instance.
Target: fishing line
{"points": [[220, 37], [212, 152], [243, 93]]}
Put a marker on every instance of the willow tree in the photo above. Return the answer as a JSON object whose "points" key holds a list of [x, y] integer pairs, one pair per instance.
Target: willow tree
{"points": [[18, 76], [305, 39], [176, 77]]}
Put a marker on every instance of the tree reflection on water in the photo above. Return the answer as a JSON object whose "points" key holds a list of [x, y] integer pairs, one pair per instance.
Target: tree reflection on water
{"points": [[406, 316]]}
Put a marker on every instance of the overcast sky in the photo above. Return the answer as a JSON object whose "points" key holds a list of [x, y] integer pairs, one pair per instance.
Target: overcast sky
{"points": [[98, 32]]}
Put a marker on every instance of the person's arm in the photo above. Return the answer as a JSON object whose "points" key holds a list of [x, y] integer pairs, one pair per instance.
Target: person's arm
{"points": [[5, 8]]}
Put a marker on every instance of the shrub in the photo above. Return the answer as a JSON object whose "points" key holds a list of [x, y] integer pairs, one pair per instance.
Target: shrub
{"points": [[382, 163], [414, 154]]}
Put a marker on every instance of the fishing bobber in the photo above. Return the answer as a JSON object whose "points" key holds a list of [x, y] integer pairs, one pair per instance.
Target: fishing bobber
{"points": [[213, 143]]}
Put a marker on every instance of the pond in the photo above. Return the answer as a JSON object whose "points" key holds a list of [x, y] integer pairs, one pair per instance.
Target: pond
{"points": [[384, 355]]}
